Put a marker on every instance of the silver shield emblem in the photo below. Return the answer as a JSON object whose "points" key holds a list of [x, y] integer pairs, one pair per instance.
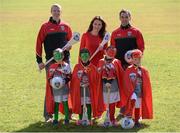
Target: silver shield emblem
{"points": [[62, 28], [129, 33], [132, 76], [79, 73]]}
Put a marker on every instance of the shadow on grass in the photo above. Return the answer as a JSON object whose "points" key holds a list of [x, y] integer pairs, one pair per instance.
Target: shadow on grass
{"points": [[48, 127]]}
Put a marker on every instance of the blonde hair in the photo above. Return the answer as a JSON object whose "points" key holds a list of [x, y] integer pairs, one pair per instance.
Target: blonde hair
{"points": [[56, 5]]}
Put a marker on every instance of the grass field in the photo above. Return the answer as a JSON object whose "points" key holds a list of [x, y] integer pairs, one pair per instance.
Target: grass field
{"points": [[22, 88]]}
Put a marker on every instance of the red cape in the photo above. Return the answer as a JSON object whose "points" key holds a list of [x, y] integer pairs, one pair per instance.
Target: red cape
{"points": [[146, 107], [119, 74], [49, 94], [75, 89]]}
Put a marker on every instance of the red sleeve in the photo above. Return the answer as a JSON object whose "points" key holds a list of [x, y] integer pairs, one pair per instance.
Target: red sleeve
{"points": [[104, 48], [140, 41], [39, 42], [112, 39]]}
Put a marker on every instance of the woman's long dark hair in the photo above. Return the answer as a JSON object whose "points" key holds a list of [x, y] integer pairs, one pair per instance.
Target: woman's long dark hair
{"points": [[103, 29]]}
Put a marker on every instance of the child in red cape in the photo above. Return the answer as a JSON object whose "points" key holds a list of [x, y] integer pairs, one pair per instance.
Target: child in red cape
{"points": [[111, 77], [138, 89], [58, 91], [84, 77]]}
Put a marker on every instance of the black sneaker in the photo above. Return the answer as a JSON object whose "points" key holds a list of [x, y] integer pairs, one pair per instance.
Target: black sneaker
{"points": [[137, 125], [119, 117], [66, 122], [55, 122]]}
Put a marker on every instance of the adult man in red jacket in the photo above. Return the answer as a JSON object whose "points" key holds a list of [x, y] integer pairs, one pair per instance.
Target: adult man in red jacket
{"points": [[53, 34], [126, 37]]}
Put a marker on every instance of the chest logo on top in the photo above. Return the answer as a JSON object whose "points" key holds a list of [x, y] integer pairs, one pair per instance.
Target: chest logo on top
{"points": [[129, 33], [62, 28], [52, 29], [132, 76], [118, 35], [79, 73]]}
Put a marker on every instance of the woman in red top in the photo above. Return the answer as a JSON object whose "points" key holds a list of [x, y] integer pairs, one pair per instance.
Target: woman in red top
{"points": [[93, 37]]}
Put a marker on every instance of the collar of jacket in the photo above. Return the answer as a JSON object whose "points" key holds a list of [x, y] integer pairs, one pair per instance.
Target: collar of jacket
{"points": [[125, 27], [53, 21]]}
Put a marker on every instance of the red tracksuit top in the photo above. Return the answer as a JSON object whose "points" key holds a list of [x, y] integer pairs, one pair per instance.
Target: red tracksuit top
{"points": [[126, 38], [130, 31], [53, 35]]}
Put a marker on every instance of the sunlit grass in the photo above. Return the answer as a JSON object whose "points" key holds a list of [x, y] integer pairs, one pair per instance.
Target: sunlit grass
{"points": [[22, 87]]}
